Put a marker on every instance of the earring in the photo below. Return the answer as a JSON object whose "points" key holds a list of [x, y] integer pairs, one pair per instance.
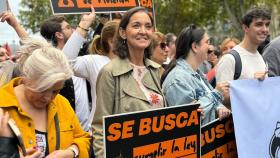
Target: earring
{"points": [[124, 41]]}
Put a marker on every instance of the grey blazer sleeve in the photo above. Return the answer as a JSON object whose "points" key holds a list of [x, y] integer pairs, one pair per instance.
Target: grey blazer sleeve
{"points": [[272, 58]]}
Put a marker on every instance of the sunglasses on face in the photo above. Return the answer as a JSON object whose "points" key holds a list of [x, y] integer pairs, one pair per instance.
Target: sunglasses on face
{"points": [[163, 45], [210, 51]]}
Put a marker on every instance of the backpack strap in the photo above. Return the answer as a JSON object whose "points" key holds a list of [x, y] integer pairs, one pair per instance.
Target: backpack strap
{"points": [[238, 64]]}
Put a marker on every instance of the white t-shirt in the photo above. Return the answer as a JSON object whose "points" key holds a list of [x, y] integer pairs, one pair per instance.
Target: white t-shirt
{"points": [[88, 67], [81, 101], [251, 63]]}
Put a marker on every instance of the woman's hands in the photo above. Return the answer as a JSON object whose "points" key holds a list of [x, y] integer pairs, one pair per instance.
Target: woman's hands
{"points": [[63, 153], [5, 130], [32, 153], [223, 88], [223, 112]]}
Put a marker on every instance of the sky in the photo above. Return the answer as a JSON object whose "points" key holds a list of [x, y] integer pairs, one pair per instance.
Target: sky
{"points": [[7, 34]]}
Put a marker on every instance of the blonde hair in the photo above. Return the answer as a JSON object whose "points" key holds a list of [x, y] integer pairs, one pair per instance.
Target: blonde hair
{"points": [[45, 67], [100, 44], [8, 69], [226, 41], [27, 48], [157, 38]]}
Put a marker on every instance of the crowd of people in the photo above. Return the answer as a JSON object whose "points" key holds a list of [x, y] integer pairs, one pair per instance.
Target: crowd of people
{"points": [[58, 93]]}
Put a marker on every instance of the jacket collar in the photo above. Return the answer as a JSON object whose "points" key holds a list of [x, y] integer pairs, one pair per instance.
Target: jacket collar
{"points": [[197, 74], [182, 63], [7, 91], [122, 66]]}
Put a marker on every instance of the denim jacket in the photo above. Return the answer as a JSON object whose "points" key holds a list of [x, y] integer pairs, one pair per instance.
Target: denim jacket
{"points": [[183, 85]]}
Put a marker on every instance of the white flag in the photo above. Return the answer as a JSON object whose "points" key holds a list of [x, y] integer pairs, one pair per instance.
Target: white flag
{"points": [[256, 114]]}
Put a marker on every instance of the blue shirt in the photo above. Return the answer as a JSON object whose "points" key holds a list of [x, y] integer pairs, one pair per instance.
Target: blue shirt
{"points": [[183, 85]]}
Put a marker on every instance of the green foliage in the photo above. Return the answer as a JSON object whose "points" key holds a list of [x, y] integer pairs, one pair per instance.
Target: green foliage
{"points": [[221, 18], [34, 12]]}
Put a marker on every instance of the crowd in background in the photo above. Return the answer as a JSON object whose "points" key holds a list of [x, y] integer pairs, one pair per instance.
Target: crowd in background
{"points": [[57, 90]]}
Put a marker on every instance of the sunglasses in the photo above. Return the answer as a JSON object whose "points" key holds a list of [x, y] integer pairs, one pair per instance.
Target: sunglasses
{"points": [[210, 51], [163, 45]]}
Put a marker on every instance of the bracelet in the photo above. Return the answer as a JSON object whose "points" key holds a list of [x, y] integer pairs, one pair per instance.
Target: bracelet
{"points": [[83, 28]]}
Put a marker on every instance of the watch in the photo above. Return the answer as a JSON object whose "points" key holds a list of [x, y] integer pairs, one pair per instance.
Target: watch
{"points": [[75, 151]]}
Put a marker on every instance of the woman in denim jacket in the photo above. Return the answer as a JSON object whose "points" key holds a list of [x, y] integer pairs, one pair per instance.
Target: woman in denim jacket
{"points": [[183, 83]]}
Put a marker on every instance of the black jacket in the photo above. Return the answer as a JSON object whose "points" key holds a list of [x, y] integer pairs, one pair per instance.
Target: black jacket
{"points": [[8, 148]]}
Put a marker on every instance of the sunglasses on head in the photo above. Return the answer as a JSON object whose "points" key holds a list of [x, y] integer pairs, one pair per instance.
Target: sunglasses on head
{"points": [[163, 45]]}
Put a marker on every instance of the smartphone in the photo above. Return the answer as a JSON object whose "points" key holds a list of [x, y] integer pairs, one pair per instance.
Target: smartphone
{"points": [[16, 131], [4, 5]]}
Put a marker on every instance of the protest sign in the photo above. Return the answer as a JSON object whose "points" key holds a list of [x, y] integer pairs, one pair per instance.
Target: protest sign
{"points": [[218, 140], [167, 132], [83, 6]]}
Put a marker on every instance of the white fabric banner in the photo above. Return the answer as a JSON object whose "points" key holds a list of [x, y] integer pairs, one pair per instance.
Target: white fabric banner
{"points": [[256, 115]]}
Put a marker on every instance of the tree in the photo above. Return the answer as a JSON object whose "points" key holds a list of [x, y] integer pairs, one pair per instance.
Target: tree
{"points": [[34, 12], [221, 18]]}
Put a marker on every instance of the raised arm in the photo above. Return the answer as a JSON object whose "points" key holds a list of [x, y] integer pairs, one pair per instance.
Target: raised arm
{"points": [[12, 21], [74, 43]]}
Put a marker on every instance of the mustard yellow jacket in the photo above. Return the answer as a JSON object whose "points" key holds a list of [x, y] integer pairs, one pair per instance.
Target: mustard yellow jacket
{"points": [[70, 128]]}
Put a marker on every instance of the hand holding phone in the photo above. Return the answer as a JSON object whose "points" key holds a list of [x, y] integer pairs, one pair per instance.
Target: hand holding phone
{"points": [[8, 128], [17, 133]]}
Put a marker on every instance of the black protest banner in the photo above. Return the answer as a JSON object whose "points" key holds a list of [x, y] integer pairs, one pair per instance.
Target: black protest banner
{"points": [[218, 139], [166, 132], [83, 6]]}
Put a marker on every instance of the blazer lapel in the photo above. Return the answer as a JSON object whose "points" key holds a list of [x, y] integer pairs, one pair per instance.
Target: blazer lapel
{"points": [[132, 89], [149, 82]]}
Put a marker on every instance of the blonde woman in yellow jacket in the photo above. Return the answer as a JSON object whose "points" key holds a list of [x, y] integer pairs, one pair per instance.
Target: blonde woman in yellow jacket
{"points": [[44, 117]]}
